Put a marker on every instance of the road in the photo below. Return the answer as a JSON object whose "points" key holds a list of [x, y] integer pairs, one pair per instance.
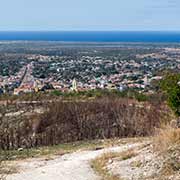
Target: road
{"points": [[75, 166]]}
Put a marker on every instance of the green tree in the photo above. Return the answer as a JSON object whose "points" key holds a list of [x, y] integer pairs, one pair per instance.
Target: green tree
{"points": [[170, 85]]}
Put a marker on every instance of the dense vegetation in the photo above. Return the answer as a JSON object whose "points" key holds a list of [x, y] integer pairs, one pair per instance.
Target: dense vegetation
{"points": [[96, 93], [11, 64], [171, 86], [68, 121]]}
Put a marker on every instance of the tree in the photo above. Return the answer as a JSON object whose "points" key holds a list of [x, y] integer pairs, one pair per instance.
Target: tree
{"points": [[170, 85]]}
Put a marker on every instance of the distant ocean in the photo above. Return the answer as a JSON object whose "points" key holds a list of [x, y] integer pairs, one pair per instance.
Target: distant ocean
{"points": [[92, 36]]}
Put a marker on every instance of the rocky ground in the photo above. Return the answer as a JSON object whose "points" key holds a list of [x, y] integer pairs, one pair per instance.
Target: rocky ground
{"points": [[138, 166], [145, 165]]}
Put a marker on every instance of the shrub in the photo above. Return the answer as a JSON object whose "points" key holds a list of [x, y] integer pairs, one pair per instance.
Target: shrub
{"points": [[166, 138], [167, 144], [170, 85], [76, 120]]}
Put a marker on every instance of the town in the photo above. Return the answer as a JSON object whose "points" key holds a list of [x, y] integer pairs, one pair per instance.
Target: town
{"points": [[65, 67]]}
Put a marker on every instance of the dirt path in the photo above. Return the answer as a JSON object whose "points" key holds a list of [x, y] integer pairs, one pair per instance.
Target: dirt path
{"points": [[73, 166]]}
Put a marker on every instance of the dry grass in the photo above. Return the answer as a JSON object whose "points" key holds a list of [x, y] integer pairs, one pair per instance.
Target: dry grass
{"points": [[6, 169], [99, 164], [51, 151], [166, 138], [61, 149], [167, 144], [136, 164], [127, 154]]}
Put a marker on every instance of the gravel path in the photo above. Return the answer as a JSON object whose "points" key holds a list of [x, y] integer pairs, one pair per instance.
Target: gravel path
{"points": [[75, 166]]}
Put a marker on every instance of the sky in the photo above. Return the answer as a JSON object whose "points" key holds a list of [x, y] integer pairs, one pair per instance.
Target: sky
{"points": [[107, 15]]}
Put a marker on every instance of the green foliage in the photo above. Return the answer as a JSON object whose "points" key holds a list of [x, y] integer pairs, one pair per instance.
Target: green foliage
{"points": [[97, 93], [56, 93], [170, 85]]}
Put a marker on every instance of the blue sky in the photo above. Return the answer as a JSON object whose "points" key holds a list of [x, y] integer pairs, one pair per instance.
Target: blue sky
{"points": [[89, 15]]}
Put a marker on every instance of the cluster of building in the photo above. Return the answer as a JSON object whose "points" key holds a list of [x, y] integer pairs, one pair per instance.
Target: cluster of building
{"points": [[91, 71]]}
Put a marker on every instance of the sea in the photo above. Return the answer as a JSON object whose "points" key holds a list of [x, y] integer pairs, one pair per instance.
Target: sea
{"points": [[92, 36]]}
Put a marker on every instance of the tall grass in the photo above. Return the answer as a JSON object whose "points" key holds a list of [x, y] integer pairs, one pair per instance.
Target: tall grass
{"points": [[167, 145], [166, 137]]}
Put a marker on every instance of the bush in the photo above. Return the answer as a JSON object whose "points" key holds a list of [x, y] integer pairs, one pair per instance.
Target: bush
{"points": [[97, 119], [170, 85], [166, 138], [167, 144], [76, 120]]}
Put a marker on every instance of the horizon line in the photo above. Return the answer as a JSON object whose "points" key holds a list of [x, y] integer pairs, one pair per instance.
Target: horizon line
{"points": [[89, 30]]}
